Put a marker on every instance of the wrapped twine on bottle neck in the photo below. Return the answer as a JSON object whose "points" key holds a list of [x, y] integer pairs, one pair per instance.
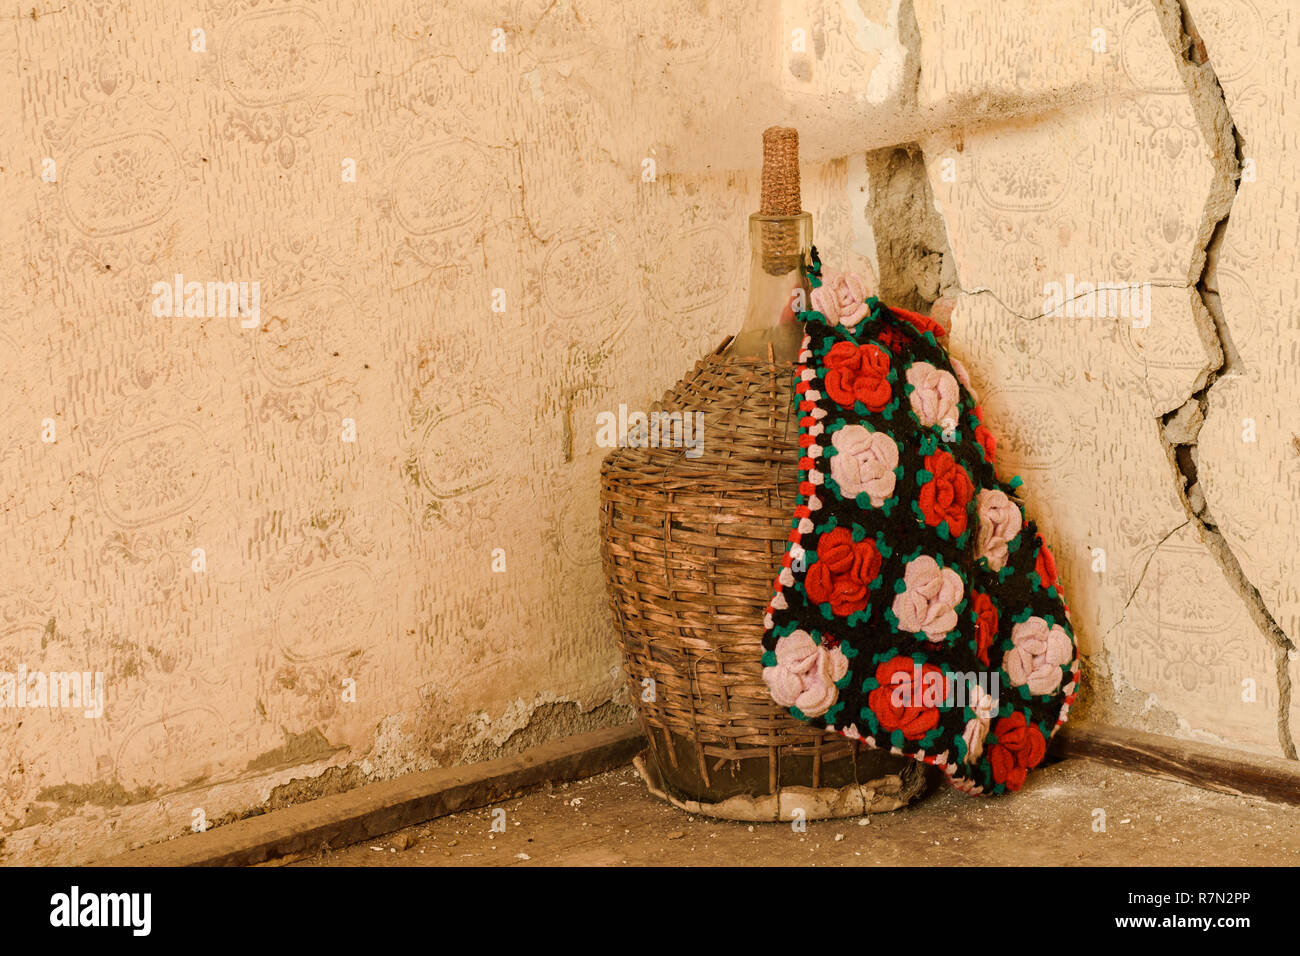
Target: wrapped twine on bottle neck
{"points": [[780, 197]]}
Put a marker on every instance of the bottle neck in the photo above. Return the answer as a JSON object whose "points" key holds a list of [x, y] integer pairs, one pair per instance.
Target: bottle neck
{"points": [[779, 249]]}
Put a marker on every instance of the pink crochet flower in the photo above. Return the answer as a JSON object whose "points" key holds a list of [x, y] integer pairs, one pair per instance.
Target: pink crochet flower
{"points": [[934, 394], [999, 524], [1038, 655], [930, 600], [841, 299], [962, 376], [805, 674], [865, 461], [977, 728]]}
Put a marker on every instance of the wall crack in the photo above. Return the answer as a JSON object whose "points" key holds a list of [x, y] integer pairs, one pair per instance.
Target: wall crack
{"points": [[984, 290], [1142, 577], [1179, 429]]}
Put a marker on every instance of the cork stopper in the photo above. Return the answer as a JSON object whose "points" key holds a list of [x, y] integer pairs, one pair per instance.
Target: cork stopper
{"points": [[780, 172], [780, 197]]}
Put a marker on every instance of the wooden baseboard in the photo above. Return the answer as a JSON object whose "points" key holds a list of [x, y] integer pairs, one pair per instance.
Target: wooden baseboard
{"points": [[1202, 765], [380, 808]]}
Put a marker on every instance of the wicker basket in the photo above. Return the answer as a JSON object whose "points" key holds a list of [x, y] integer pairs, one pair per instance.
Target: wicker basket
{"points": [[691, 547]]}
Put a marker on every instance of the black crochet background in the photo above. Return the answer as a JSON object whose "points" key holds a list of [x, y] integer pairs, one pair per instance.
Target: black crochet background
{"points": [[1014, 592]]}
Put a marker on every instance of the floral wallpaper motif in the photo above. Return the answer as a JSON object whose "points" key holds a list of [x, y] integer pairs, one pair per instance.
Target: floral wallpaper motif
{"points": [[344, 515]]}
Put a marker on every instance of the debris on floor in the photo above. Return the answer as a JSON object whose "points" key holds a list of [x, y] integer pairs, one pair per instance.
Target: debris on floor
{"points": [[1077, 812]]}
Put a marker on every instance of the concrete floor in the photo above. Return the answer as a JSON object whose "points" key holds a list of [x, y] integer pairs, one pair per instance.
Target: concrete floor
{"points": [[610, 820]]}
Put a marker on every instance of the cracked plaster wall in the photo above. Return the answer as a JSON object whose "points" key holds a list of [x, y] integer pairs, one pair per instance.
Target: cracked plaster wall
{"points": [[966, 150], [1135, 441]]}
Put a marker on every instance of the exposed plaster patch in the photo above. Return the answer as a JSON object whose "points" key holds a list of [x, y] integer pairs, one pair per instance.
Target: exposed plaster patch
{"points": [[301, 789], [1180, 429], [407, 743], [308, 747], [903, 17], [889, 79], [560, 718], [68, 798], [858, 189], [914, 265], [1130, 701]]}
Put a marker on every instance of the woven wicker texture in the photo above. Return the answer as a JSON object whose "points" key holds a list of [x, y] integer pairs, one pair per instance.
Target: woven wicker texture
{"points": [[690, 549]]}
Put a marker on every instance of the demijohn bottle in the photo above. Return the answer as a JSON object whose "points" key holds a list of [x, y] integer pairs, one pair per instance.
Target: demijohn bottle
{"points": [[692, 542]]}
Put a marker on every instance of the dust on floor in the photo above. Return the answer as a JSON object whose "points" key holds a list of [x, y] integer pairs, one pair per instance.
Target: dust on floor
{"points": [[610, 820]]}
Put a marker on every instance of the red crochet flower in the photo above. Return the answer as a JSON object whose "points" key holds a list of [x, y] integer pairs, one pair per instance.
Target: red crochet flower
{"points": [[899, 703], [986, 626], [945, 497], [923, 323], [1045, 565], [987, 442], [842, 572], [857, 372], [891, 338], [1020, 746]]}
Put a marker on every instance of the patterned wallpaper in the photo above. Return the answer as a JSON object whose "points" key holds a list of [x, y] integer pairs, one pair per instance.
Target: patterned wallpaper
{"points": [[309, 312]]}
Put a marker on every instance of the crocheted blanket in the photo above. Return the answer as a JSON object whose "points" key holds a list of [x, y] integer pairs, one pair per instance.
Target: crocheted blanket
{"points": [[917, 608]]}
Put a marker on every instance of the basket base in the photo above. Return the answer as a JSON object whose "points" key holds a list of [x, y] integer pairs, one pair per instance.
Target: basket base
{"points": [[887, 793]]}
